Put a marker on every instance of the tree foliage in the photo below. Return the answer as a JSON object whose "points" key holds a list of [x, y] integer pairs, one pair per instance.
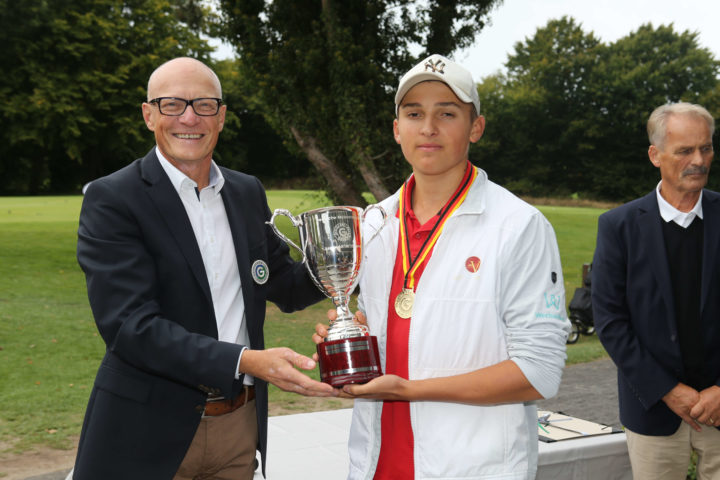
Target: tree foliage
{"points": [[323, 73], [568, 117], [247, 143], [75, 75], [572, 110]]}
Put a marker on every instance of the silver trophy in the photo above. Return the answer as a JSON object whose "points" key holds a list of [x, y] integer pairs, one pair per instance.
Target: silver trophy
{"points": [[332, 248]]}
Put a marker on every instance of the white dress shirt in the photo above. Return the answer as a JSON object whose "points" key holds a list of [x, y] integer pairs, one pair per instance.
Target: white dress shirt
{"points": [[672, 214], [206, 211]]}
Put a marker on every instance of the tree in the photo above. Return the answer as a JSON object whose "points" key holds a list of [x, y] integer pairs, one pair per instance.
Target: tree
{"points": [[247, 143], [572, 110], [639, 72], [75, 75], [323, 73], [543, 96]]}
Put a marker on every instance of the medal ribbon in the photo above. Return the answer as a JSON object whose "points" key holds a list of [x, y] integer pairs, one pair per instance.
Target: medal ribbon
{"points": [[411, 265]]}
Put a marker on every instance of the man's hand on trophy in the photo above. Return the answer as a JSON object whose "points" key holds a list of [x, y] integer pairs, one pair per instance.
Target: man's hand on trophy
{"points": [[277, 366], [321, 330], [346, 351]]}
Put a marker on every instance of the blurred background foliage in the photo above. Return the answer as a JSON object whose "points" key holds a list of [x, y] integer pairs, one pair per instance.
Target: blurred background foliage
{"points": [[310, 92]]}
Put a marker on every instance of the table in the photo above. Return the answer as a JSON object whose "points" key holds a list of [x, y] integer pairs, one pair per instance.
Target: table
{"points": [[313, 446], [308, 446], [603, 457]]}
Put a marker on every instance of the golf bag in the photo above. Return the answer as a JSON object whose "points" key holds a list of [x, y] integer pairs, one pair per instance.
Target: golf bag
{"points": [[580, 308]]}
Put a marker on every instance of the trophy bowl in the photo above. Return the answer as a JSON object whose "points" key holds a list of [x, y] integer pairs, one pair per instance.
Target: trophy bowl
{"points": [[332, 249]]}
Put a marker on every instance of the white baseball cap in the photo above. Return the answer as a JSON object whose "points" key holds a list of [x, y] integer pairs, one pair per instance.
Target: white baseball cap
{"points": [[437, 67]]}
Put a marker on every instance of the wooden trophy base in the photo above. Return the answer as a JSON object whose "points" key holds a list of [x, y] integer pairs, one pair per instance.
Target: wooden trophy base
{"points": [[349, 360]]}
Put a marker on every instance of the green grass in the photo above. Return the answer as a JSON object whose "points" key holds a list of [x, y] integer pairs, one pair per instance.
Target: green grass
{"points": [[49, 346], [575, 229], [297, 201]]}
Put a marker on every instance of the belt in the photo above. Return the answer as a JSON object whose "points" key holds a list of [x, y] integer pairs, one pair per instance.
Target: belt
{"points": [[216, 406]]}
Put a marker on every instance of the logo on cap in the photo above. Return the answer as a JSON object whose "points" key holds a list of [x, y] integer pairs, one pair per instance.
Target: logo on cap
{"points": [[436, 67]]}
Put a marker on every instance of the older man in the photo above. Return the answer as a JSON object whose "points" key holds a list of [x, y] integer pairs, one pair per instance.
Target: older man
{"points": [[656, 277], [179, 265]]}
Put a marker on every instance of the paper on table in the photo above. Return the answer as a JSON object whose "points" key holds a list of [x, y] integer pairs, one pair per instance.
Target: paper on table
{"points": [[557, 426]]}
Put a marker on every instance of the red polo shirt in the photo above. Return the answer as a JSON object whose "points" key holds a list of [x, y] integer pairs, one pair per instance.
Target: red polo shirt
{"points": [[396, 448]]}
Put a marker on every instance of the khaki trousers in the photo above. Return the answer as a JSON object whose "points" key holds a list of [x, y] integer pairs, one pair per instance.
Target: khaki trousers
{"points": [[223, 447], [668, 457]]}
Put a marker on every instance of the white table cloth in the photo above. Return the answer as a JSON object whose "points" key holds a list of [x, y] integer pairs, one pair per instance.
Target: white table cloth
{"points": [[313, 446]]}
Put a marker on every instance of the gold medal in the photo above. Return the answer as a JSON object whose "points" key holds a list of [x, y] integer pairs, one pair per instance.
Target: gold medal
{"points": [[404, 303], [406, 298]]}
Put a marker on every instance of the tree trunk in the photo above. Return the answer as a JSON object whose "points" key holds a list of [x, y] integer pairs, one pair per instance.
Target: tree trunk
{"points": [[367, 169], [338, 182], [360, 159]]}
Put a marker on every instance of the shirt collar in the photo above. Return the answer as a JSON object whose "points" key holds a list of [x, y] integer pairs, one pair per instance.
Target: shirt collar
{"points": [[179, 180], [411, 186], [474, 202], [672, 214]]}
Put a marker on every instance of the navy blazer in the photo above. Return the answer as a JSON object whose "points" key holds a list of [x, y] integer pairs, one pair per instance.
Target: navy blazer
{"points": [[151, 301], [634, 310]]}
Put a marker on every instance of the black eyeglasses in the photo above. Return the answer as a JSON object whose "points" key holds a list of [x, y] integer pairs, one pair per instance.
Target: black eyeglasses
{"points": [[174, 107]]}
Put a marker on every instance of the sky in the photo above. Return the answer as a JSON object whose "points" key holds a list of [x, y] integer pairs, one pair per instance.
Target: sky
{"points": [[515, 20]]}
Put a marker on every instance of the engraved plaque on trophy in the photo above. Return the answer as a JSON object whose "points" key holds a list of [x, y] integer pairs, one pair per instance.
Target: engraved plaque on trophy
{"points": [[332, 248]]}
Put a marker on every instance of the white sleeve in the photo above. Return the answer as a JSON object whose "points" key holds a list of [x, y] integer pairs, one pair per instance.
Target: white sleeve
{"points": [[533, 304]]}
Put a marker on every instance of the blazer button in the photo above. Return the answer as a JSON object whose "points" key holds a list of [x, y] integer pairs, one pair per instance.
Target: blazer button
{"points": [[673, 338]]}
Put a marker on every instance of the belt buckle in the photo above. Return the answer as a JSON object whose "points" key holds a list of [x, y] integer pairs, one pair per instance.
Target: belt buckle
{"points": [[212, 398], [219, 398]]}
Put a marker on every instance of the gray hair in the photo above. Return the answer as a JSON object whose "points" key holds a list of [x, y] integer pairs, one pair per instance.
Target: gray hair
{"points": [[657, 123]]}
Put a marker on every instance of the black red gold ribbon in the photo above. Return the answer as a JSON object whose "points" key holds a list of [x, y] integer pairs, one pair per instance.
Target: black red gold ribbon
{"points": [[406, 298]]}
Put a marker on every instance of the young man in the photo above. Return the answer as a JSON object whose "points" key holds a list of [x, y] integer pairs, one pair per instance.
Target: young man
{"points": [[464, 290]]}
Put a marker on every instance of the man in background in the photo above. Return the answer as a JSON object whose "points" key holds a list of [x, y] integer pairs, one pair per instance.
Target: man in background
{"points": [[656, 302]]}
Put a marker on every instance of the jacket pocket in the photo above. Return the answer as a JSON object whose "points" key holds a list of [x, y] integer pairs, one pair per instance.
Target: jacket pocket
{"points": [[122, 385]]}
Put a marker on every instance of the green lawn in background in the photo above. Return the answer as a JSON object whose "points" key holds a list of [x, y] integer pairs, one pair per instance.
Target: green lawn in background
{"points": [[575, 229], [49, 346]]}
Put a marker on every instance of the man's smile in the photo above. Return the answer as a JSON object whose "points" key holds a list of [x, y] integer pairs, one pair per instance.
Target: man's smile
{"points": [[188, 136]]}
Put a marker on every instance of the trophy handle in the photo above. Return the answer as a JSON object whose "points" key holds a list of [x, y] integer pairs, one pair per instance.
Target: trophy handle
{"points": [[296, 223], [384, 217]]}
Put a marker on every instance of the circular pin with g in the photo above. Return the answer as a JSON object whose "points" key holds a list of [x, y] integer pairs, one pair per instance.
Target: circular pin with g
{"points": [[260, 272]]}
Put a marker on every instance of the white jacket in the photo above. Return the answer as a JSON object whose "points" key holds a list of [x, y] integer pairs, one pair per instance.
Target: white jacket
{"points": [[513, 307]]}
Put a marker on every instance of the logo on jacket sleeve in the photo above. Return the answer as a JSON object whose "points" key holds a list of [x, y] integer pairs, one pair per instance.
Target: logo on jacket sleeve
{"points": [[552, 301], [260, 272], [472, 264]]}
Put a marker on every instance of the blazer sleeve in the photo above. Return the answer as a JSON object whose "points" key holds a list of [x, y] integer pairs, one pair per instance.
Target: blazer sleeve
{"points": [[125, 292], [613, 313]]}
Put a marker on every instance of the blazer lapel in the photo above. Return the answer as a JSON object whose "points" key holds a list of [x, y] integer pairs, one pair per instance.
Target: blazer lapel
{"points": [[172, 211], [651, 237], [711, 239], [239, 227]]}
